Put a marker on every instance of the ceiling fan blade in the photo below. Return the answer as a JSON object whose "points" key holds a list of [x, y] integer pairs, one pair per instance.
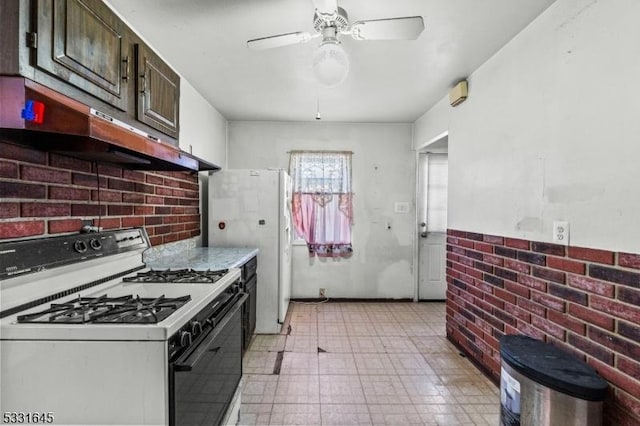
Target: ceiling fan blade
{"points": [[406, 28], [279, 40], [326, 7]]}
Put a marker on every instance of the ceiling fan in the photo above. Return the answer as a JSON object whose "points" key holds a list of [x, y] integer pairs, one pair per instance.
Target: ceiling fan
{"points": [[330, 62]]}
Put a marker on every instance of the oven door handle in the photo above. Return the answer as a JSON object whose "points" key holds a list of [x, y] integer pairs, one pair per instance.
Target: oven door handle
{"points": [[189, 360]]}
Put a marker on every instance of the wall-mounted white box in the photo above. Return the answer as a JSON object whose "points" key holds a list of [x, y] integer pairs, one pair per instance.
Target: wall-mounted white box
{"points": [[401, 207]]}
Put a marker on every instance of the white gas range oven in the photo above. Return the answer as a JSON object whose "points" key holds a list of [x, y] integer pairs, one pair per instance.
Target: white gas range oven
{"points": [[89, 335]]}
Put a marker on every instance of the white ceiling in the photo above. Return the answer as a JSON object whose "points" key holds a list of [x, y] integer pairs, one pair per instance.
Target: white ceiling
{"points": [[388, 81]]}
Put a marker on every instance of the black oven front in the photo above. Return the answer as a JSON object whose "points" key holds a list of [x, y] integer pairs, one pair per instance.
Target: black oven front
{"points": [[205, 365]]}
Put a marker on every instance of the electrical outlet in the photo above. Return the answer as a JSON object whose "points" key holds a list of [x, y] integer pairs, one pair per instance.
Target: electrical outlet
{"points": [[561, 232], [322, 292]]}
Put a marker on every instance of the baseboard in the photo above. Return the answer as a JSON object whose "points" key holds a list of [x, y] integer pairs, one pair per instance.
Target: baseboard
{"points": [[347, 299], [484, 370], [432, 300]]}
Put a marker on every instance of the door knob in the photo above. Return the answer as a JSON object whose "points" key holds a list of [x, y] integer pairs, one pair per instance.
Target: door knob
{"points": [[423, 224], [423, 234]]}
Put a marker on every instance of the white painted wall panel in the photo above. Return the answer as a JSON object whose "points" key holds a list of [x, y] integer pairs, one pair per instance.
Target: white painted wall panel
{"points": [[383, 173], [202, 128], [203, 131], [550, 131], [432, 124]]}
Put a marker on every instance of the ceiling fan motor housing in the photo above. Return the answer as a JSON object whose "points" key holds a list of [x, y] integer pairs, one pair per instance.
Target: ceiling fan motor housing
{"points": [[339, 20]]}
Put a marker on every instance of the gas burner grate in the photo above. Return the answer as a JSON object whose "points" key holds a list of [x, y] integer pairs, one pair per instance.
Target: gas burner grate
{"points": [[144, 310], [103, 309], [177, 276]]}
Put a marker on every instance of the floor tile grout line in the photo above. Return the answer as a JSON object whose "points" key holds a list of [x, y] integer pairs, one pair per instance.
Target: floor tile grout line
{"points": [[394, 366]]}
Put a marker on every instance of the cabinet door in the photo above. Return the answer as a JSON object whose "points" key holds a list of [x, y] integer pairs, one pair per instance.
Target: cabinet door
{"points": [[249, 269], [83, 42], [158, 97], [252, 289]]}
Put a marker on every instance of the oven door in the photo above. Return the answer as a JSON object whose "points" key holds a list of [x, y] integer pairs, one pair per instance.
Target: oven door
{"points": [[204, 379]]}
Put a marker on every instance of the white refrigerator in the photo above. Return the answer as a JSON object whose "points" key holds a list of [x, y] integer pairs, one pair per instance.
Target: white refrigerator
{"points": [[252, 208]]}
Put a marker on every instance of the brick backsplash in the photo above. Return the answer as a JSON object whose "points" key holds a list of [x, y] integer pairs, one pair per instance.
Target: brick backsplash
{"points": [[45, 193], [583, 300]]}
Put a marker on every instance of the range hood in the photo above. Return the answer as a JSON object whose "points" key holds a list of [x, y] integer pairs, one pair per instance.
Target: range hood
{"points": [[72, 128]]}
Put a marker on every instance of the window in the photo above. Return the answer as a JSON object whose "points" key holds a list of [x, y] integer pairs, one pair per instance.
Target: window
{"points": [[434, 180], [322, 207]]}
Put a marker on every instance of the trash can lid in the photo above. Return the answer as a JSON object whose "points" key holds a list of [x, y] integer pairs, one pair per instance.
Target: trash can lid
{"points": [[552, 367]]}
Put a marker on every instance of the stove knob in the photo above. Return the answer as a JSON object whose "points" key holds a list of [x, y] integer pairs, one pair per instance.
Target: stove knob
{"points": [[95, 244], [80, 246], [185, 338], [196, 327]]}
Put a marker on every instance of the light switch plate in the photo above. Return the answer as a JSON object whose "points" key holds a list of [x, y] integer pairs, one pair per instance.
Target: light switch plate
{"points": [[561, 232], [401, 207]]}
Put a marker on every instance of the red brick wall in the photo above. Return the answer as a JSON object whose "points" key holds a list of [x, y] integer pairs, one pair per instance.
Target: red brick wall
{"points": [[44, 193], [584, 300]]}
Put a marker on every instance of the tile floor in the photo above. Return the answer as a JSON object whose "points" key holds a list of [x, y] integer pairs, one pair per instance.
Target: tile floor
{"points": [[364, 364]]}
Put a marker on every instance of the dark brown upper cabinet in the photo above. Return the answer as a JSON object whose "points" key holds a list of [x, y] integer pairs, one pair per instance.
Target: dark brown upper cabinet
{"points": [[82, 49], [85, 44], [158, 99]]}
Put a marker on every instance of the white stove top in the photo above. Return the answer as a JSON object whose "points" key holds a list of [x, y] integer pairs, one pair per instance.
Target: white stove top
{"points": [[201, 295], [37, 273]]}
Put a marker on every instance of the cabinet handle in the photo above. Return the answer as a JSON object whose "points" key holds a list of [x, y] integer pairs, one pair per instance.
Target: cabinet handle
{"points": [[125, 68], [143, 84]]}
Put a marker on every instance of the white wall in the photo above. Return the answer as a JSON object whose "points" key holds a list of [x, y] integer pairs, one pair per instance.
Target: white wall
{"points": [[550, 131], [203, 132], [432, 124], [383, 172]]}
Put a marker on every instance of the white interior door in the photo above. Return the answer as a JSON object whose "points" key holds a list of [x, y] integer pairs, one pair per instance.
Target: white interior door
{"points": [[433, 171], [285, 246]]}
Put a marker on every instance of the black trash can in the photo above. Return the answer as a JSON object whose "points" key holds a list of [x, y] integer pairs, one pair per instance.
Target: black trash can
{"points": [[541, 385]]}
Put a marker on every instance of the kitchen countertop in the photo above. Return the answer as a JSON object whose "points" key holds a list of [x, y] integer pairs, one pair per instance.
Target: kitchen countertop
{"points": [[204, 258]]}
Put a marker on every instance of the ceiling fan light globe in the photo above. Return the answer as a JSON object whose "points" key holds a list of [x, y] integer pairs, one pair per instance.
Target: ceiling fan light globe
{"points": [[330, 64]]}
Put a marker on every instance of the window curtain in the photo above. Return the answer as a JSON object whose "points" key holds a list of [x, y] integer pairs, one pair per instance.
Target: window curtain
{"points": [[322, 201]]}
